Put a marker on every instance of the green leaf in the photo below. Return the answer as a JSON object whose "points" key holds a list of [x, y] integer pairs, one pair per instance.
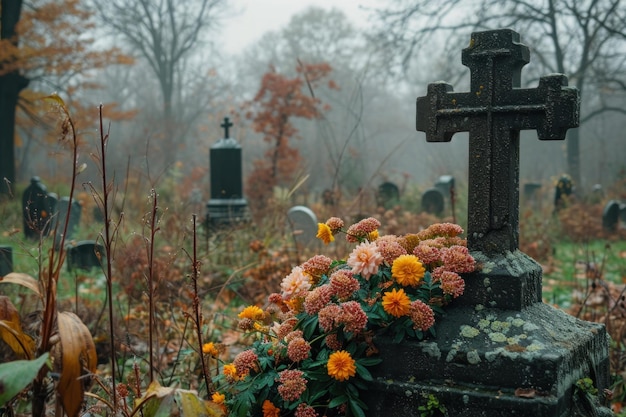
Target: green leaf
{"points": [[369, 361], [363, 372], [355, 407], [16, 375], [337, 401]]}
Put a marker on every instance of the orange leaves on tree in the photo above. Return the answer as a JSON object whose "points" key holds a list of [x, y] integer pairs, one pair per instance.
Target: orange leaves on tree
{"points": [[277, 102]]}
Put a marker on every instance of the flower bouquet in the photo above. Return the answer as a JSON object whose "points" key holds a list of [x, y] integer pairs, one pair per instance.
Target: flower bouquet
{"points": [[313, 346]]}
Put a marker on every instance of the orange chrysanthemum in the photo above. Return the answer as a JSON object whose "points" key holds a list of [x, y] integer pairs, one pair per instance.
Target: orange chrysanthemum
{"points": [[252, 313], [218, 398], [210, 349], [396, 303], [230, 371], [324, 233], [270, 410], [341, 366], [407, 270]]}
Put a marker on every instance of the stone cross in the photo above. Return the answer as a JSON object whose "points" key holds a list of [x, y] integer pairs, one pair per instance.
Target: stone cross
{"points": [[226, 125], [493, 112]]}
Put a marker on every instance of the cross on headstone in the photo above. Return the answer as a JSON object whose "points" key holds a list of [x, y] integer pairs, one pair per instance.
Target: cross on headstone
{"points": [[494, 112], [226, 125]]}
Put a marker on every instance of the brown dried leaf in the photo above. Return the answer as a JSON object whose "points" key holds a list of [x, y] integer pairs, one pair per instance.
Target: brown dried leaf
{"points": [[24, 280], [525, 392], [78, 360], [11, 330]]}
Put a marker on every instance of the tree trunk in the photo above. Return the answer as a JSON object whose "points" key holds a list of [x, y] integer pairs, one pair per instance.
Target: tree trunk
{"points": [[10, 86], [573, 158]]}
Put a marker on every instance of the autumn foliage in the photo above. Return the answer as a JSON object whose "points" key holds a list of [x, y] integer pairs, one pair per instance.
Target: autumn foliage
{"points": [[279, 100]]}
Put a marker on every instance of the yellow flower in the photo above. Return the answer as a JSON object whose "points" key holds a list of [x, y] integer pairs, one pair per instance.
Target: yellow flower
{"points": [[252, 313], [270, 410], [372, 236], [341, 366], [210, 349], [324, 233], [230, 371], [218, 398], [396, 303], [407, 270]]}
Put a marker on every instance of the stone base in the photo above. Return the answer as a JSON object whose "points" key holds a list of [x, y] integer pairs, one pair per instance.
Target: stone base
{"points": [[487, 362], [225, 212]]}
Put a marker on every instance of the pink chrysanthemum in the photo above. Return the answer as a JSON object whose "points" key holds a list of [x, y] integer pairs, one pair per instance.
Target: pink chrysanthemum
{"points": [[441, 229], [353, 317], [343, 284], [292, 384], [317, 266], [365, 259], [422, 315], [390, 248], [317, 299], [457, 259], [362, 229], [245, 362], [286, 327], [305, 410], [296, 284], [451, 283], [298, 349], [427, 254], [293, 335], [335, 224], [329, 316]]}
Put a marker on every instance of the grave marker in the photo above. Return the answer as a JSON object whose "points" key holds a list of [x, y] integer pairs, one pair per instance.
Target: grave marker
{"points": [[84, 255], [433, 201], [38, 209], [388, 195], [303, 223], [562, 191], [610, 215], [6, 260], [499, 350], [227, 204], [75, 211], [445, 184]]}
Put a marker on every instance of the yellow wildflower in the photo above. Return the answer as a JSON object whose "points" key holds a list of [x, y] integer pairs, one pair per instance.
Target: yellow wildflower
{"points": [[407, 270], [324, 233], [341, 366], [396, 303], [210, 349], [252, 313]]}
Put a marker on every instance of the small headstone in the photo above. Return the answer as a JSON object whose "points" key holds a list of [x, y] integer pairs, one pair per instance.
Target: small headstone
{"points": [[38, 209], [303, 224], [75, 210], [610, 215], [433, 201], [84, 255], [445, 184], [622, 212], [562, 191], [388, 194], [6, 260], [97, 214], [530, 190]]}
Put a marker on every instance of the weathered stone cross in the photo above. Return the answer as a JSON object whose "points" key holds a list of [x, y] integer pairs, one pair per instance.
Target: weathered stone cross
{"points": [[226, 125], [494, 112]]}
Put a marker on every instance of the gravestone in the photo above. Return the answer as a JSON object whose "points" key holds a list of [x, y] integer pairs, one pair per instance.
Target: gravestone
{"points": [[388, 195], [445, 184], [6, 260], [328, 197], [227, 204], [499, 351], [562, 191], [303, 223], [433, 201], [610, 215], [84, 255], [75, 211], [622, 212], [38, 209], [530, 190]]}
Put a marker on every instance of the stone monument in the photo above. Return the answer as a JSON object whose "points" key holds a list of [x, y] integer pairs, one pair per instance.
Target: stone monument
{"points": [[498, 351]]}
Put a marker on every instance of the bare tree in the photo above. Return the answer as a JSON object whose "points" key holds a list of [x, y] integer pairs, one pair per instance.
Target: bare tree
{"points": [[166, 34], [584, 39]]}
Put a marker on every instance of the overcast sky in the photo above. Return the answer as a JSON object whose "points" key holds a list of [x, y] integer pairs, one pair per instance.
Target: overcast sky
{"points": [[259, 16]]}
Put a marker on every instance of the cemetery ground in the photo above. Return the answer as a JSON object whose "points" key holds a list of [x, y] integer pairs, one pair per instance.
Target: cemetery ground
{"points": [[584, 273]]}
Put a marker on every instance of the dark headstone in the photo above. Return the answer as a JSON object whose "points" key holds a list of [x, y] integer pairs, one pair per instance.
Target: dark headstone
{"points": [[227, 204], [499, 351], [610, 215], [38, 209], [562, 191], [433, 201], [622, 212], [85, 255], [6, 260], [75, 212], [303, 223], [388, 194], [530, 189], [445, 184]]}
